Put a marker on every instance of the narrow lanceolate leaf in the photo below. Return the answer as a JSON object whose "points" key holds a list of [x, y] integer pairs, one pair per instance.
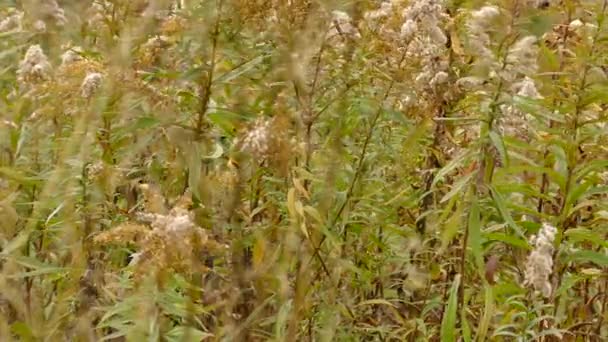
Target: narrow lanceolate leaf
{"points": [[475, 237], [587, 235], [504, 211], [466, 329], [500, 147], [488, 313], [453, 164], [448, 324], [597, 258], [458, 187]]}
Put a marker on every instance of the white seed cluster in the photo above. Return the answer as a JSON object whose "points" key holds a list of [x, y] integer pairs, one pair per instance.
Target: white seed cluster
{"points": [[385, 10], [522, 57], [12, 22], [98, 14], [90, 84], [424, 15], [71, 55], [478, 27], [178, 222], [34, 67], [539, 265], [342, 25], [514, 122], [257, 141], [176, 231], [50, 9], [423, 32]]}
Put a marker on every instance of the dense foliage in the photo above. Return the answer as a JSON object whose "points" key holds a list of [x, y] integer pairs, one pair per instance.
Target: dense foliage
{"points": [[303, 170]]}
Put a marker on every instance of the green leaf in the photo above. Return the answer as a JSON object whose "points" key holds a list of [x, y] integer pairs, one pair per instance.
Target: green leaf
{"points": [[583, 234], [458, 186], [448, 324], [194, 170], [475, 237], [597, 258], [23, 331], [508, 239], [186, 334], [466, 329], [504, 212], [500, 147], [488, 314], [240, 70], [453, 164], [587, 168], [18, 176], [146, 122]]}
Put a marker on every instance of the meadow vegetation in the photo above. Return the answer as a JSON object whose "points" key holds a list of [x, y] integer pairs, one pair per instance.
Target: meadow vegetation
{"points": [[303, 170]]}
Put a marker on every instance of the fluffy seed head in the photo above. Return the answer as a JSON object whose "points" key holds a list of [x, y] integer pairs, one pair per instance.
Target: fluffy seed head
{"points": [[35, 66], [90, 84], [539, 265], [12, 22]]}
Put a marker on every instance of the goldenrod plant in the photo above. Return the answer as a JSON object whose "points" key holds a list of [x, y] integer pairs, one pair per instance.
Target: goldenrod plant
{"points": [[303, 170]]}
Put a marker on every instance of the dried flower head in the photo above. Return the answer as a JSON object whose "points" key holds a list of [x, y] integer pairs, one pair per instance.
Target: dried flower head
{"points": [[478, 27], [539, 265], [71, 55], [49, 11], [514, 122], [90, 84], [257, 141], [12, 22], [39, 26], [173, 241], [342, 25], [35, 66], [150, 52], [522, 56], [385, 10]]}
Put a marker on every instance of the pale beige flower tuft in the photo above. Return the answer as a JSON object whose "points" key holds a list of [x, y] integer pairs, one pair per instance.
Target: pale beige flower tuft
{"points": [[539, 265], [12, 22], [90, 84], [35, 66]]}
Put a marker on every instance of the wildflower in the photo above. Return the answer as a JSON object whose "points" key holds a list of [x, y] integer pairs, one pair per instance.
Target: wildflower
{"points": [[342, 25], [439, 78], [152, 49], [90, 84], [170, 240], [528, 89], [71, 55], [575, 25], [40, 26], [49, 10], [385, 10], [478, 27], [408, 29], [539, 265], [257, 141], [469, 82], [522, 55], [514, 122], [424, 15], [483, 17], [34, 66], [12, 22], [98, 14]]}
